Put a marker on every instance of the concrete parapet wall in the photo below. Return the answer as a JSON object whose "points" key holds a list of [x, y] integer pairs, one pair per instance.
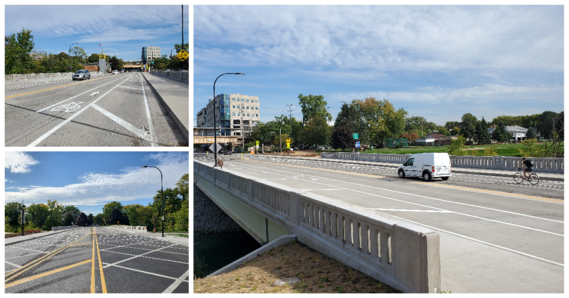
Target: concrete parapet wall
{"points": [[403, 255], [64, 228], [180, 76], [542, 164], [19, 78], [135, 228]]}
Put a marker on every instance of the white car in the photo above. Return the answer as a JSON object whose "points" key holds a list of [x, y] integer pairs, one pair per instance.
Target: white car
{"points": [[115, 72], [427, 166]]}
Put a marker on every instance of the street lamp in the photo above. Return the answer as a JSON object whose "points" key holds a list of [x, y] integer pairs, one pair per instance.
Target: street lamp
{"points": [[162, 192], [214, 118]]}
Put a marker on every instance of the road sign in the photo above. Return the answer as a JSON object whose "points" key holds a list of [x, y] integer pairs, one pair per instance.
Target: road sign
{"points": [[183, 55], [288, 143], [257, 143], [356, 136], [358, 145], [212, 147], [152, 62]]}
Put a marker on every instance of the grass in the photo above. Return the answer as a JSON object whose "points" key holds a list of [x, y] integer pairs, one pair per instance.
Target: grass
{"points": [[317, 273], [180, 235]]}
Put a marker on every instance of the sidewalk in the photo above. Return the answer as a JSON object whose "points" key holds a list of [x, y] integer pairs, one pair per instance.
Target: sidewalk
{"points": [[475, 171], [175, 97], [175, 239], [14, 240]]}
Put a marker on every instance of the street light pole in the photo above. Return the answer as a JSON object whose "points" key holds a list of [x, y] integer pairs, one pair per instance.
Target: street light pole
{"points": [[214, 118], [162, 194]]}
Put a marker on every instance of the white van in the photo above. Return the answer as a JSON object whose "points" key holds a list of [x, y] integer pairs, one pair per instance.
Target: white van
{"points": [[426, 165]]}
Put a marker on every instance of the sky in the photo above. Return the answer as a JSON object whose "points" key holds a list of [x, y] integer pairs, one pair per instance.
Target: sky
{"points": [[89, 180], [122, 29], [438, 62]]}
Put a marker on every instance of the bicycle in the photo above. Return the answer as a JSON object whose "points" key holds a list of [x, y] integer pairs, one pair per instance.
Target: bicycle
{"points": [[532, 177]]}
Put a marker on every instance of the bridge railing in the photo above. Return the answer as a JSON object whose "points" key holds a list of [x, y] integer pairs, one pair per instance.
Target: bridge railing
{"points": [[542, 164], [402, 255], [181, 76]]}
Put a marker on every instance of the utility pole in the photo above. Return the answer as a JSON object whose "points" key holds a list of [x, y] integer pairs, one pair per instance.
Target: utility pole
{"points": [[182, 64]]}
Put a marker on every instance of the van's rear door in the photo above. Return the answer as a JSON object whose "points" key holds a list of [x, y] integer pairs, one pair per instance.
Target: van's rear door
{"points": [[442, 163]]}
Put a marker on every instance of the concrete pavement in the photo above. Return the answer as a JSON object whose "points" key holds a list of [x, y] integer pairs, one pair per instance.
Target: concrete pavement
{"points": [[175, 98]]}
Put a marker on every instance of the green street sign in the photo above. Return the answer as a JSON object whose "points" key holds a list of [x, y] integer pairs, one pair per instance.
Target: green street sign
{"points": [[356, 136], [152, 62]]}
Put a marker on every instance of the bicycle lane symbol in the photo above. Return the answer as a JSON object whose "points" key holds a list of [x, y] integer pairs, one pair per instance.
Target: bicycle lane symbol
{"points": [[68, 108]]}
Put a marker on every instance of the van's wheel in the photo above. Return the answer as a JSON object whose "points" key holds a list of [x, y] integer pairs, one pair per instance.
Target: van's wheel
{"points": [[445, 178], [401, 174], [427, 176]]}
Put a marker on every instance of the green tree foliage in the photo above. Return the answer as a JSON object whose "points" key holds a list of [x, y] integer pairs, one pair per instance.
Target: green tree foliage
{"points": [[500, 134], [173, 202], [17, 53], [177, 47], [116, 217], [38, 214], [82, 220], [108, 209], [481, 133], [451, 124], [114, 63], [74, 210], [93, 58], [78, 53], [11, 212], [68, 219], [316, 131], [456, 146], [531, 134], [90, 219], [182, 217], [313, 105], [342, 138], [351, 116], [99, 219], [468, 126], [383, 121], [416, 123]]}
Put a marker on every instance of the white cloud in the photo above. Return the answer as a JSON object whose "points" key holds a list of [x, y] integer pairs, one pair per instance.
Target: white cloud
{"points": [[19, 162], [98, 188], [382, 38]]}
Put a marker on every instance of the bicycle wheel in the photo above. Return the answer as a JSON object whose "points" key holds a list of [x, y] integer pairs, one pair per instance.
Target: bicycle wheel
{"points": [[534, 179], [518, 178]]}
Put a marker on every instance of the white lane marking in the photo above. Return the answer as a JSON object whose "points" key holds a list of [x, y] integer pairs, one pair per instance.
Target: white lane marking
{"points": [[137, 131], [422, 205], [68, 108], [153, 138], [138, 255], [178, 281], [136, 270], [94, 93], [10, 263], [436, 199], [159, 259], [408, 210], [53, 105], [60, 125], [483, 242]]}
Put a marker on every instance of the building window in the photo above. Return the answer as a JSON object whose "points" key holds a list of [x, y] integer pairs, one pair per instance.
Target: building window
{"points": [[247, 114], [234, 106], [247, 100], [247, 108], [233, 114], [256, 108], [237, 114]]}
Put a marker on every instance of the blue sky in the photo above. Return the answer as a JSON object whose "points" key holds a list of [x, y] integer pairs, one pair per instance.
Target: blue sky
{"points": [[122, 29], [89, 180], [438, 62]]}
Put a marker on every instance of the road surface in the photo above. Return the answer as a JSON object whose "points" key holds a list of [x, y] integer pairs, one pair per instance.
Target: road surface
{"points": [[119, 110], [99, 261], [496, 236]]}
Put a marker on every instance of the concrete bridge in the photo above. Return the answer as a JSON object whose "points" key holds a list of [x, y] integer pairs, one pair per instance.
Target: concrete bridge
{"points": [[402, 255]]}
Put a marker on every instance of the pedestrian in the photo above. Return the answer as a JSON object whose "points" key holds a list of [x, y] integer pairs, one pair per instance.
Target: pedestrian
{"points": [[220, 163]]}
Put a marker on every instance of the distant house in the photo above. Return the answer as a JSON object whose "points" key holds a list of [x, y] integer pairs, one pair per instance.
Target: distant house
{"points": [[518, 133]]}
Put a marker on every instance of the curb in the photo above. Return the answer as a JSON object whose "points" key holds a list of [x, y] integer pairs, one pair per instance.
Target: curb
{"points": [[177, 121], [454, 170], [33, 238]]}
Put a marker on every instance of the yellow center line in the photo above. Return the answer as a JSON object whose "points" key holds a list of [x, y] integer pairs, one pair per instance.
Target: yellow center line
{"points": [[33, 264], [54, 88], [93, 267], [103, 283], [439, 185], [21, 281]]}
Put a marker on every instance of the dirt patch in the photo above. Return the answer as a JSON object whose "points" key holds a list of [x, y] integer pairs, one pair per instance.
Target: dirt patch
{"points": [[316, 272]]}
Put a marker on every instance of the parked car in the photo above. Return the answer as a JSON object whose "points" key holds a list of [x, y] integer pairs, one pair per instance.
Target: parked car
{"points": [[81, 74], [115, 72], [427, 166], [227, 152]]}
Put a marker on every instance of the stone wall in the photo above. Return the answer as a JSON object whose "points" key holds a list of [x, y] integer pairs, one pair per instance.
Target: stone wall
{"points": [[208, 218]]}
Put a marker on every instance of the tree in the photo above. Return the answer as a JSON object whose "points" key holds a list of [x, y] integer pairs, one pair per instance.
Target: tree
{"points": [[342, 138], [82, 221], [412, 137], [500, 134], [313, 105], [455, 131], [132, 213], [316, 131], [177, 47], [381, 118], [72, 209], [11, 212], [451, 124], [116, 217], [182, 217], [456, 146], [108, 209], [545, 124], [79, 53], [90, 219], [481, 134], [99, 219], [68, 219], [468, 126], [38, 214], [415, 123], [93, 58], [114, 63], [17, 52], [531, 134]]}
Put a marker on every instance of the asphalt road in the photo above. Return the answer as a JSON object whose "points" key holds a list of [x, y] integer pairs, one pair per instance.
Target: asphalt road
{"points": [[102, 261], [119, 110], [496, 236]]}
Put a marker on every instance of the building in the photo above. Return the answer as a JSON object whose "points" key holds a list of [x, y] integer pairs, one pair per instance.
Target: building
{"points": [[236, 115], [149, 54], [518, 133]]}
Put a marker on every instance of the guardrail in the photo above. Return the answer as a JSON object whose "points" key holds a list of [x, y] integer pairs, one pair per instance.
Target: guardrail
{"points": [[542, 164], [402, 255], [180, 76]]}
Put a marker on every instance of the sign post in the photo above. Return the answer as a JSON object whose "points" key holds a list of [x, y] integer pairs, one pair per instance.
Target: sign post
{"points": [[288, 146], [257, 147]]}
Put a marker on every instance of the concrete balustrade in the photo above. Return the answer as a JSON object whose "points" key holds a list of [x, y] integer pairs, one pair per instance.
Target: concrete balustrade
{"points": [[403, 255], [63, 228], [542, 164], [18, 78], [180, 76], [135, 228]]}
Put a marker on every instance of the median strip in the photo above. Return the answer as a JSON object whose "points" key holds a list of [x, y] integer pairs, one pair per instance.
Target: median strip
{"points": [[103, 283]]}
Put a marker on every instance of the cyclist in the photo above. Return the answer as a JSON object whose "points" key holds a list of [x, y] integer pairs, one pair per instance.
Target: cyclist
{"points": [[526, 163]]}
